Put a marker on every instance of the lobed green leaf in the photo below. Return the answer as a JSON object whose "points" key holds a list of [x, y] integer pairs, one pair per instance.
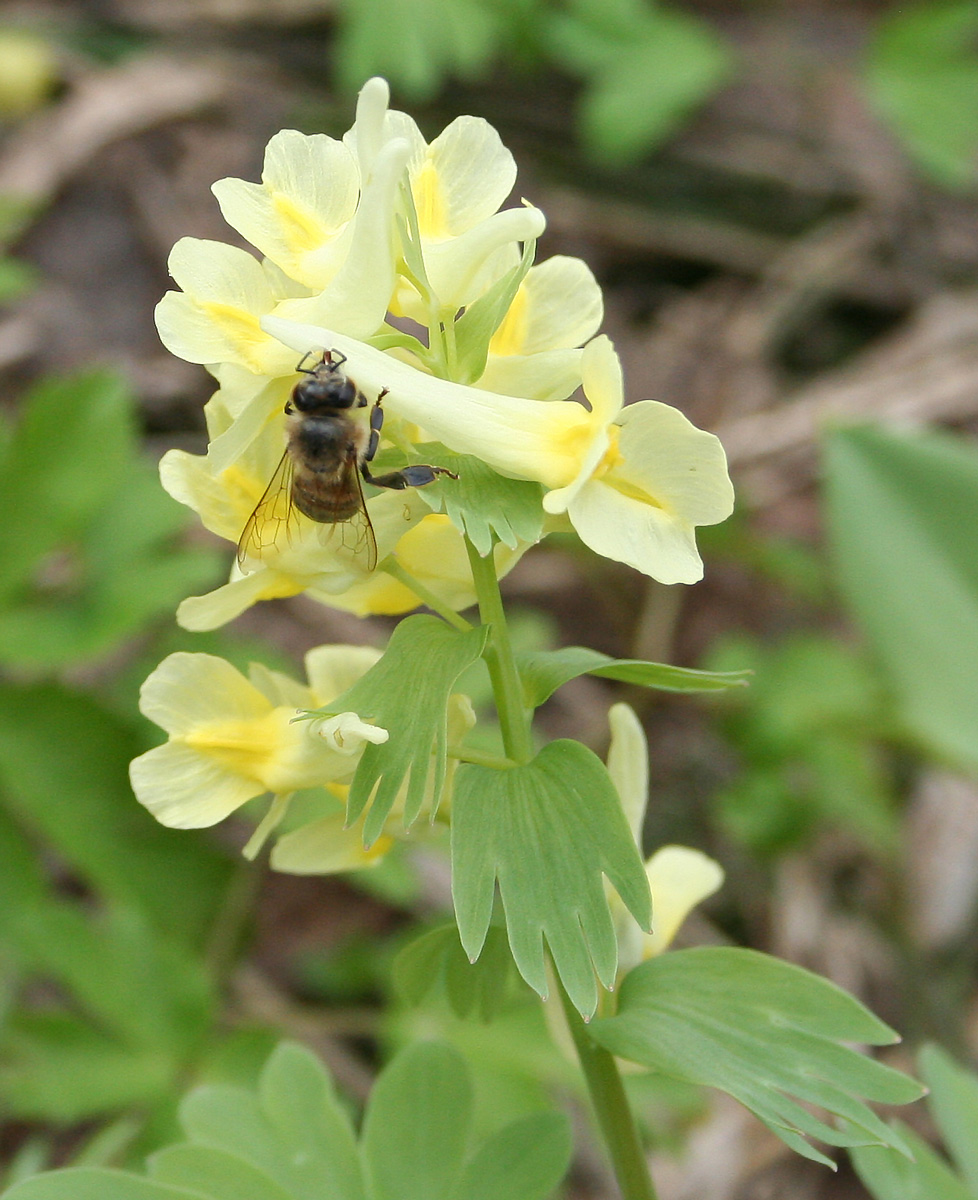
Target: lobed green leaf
{"points": [[888, 1175], [485, 505], [213, 1173], [526, 1160], [548, 831], [406, 692], [922, 75], [647, 69], [766, 1032]]}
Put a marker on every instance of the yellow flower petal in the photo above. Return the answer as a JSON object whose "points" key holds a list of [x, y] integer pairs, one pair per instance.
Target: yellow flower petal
{"points": [[215, 318], [324, 847], [332, 669], [186, 690], [680, 879], [548, 375], [681, 468], [558, 307], [632, 531], [299, 213], [184, 790], [462, 178]]}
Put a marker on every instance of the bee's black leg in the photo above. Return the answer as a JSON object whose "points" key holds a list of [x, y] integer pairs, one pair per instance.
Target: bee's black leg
{"points": [[414, 476], [376, 425]]}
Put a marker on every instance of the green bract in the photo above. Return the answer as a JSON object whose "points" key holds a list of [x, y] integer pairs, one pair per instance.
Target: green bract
{"points": [[547, 831], [767, 1032]]}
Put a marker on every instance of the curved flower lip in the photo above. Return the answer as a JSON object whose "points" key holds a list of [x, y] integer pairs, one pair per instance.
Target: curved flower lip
{"points": [[527, 439], [346, 733]]}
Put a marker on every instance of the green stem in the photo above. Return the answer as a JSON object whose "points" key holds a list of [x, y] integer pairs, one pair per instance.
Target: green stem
{"points": [[394, 569], [480, 757], [508, 693], [611, 1109]]}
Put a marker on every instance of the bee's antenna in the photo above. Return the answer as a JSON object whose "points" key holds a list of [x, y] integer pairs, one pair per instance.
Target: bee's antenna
{"points": [[334, 359], [303, 369]]}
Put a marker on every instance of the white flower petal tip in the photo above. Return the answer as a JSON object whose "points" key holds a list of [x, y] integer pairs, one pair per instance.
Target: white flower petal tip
{"points": [[680, 878], [345, 733]]}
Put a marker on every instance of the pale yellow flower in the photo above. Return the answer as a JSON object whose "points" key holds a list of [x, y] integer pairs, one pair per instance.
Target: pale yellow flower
{"points": [[536, 352], [325, 846], [215, 317], [232, 738], [679, 877], [457, 184], [634, 481]]}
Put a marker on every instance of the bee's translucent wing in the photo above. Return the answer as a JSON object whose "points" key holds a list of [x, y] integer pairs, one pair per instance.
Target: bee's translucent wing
{"points": [[356, 533], [274, 515]]}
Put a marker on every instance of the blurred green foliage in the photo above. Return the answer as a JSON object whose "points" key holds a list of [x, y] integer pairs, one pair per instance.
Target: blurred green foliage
{"points": [[922, 75], [953, 1105], [644, 68], [87, 553], [899, 509], [291, 1139], [806, 739]]}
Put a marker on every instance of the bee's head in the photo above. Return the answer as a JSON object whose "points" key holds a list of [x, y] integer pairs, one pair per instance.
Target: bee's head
{"points": [[325, 386]]}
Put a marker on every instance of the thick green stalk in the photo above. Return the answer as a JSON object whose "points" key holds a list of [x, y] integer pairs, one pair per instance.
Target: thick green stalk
{"points": [[506, 687], [611, 1108]]}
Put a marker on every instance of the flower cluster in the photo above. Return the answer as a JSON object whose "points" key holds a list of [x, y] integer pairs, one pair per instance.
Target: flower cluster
{"points": [[396, 254], [390, 265]]}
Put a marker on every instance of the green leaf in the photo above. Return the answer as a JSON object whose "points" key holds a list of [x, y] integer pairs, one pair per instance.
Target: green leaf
{"points": [[475, 327], [483, 504], [294, 1132], [49, 488], [954, 1102], [415, 44], [214, 1174], [543, 672], [120, 573], [16, 279], [524, 1161], [63, 1069], [646, 72], [94, 1183], [549, 831], [417, 1123], [407, 693], [436, 958], [80, 800], [298, 1099], [148, 991], [891, 1176], [907, 565], [922, 75], [768, 1033]]}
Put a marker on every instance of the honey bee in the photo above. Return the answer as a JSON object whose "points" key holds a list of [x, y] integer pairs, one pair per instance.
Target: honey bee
{"points": [[325, 459]]}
